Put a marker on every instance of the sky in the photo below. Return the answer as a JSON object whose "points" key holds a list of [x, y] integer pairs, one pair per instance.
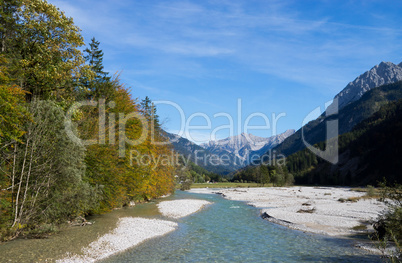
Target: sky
{"points": [[249, 66]]}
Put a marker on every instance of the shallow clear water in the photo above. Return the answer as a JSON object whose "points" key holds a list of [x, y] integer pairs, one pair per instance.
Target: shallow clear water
{"points": [[231, 231]]}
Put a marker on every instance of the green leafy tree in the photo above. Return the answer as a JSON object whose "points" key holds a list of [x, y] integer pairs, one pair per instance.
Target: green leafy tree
{"points": [[47, 174], [8, 24], [264, 175], [12, 109], [46, 58], [276, 177]]}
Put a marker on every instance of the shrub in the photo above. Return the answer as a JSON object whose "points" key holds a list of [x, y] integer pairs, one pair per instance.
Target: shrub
{"points": [[388, 226], [186, 185], [370, 191]]}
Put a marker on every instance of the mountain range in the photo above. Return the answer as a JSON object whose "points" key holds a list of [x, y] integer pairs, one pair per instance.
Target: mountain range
{"points": [[202, 157], [244, 145], [234, 150]]}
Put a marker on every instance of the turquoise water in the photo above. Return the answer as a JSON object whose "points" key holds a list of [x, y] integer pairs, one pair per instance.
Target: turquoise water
{"points": [[231, 231]]}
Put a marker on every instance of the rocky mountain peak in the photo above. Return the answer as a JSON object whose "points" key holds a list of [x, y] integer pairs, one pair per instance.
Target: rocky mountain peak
{"points": [[381, 74], [244, 143]]}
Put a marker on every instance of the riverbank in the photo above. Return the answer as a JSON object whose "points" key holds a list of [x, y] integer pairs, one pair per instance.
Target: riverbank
{"points": [[322, 210], [131, 231]]}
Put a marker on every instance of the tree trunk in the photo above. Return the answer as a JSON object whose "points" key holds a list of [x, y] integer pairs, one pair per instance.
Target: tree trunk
{"points": [[20, 183], [27, 182], [13, 174]]}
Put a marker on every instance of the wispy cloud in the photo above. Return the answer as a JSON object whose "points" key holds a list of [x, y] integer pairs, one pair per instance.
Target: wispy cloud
{"points": [[194, 30], [274, 41]]}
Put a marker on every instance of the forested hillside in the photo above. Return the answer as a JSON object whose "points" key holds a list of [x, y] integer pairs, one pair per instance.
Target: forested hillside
{"points": [[367, 154], [47, 176]]}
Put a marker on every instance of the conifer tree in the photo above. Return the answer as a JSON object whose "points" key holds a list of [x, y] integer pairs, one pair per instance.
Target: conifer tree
{"points": [[149, 110], [101, 86]]}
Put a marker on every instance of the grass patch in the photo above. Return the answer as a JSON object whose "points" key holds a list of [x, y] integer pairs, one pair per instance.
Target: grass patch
{"points": [[228, 185], [360, 227], [353, 199], [359, 189], [371, 192], [357, 198]]}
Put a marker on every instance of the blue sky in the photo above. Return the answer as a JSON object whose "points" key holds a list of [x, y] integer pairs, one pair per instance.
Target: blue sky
{"points": [[275, 56]]}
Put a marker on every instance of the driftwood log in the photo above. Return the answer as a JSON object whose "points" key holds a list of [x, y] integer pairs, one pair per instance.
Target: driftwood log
{"points": [[79, 221]]}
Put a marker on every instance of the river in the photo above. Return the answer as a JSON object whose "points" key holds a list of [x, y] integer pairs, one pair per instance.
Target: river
{"points": [[226, 231]]}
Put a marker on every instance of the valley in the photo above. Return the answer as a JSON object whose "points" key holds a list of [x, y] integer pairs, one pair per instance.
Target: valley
{"points": [[200, 131]]}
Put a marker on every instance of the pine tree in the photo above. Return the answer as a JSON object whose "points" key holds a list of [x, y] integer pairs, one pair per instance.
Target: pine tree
{"points": [[149, 111], [101, 86], [94, 57], [146, 105]]}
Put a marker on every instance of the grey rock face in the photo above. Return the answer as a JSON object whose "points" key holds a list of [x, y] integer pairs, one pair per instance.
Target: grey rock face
{"points": [[244, 144], [384, 73]]}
